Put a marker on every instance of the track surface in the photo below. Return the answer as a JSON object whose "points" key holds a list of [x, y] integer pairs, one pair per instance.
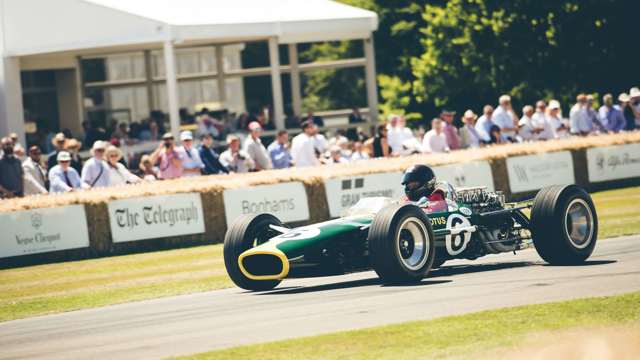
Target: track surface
{"points": [[199, 322]]}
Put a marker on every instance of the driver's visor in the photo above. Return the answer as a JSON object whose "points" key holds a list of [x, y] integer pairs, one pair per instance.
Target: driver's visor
{"points": [[412, 185]]}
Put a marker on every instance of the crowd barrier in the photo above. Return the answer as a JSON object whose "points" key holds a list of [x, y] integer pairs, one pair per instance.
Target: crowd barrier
{"points": [[157, 222]]}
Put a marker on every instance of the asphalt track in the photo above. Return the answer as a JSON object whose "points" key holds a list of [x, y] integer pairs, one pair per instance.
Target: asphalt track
{"points": [[199, 322]]}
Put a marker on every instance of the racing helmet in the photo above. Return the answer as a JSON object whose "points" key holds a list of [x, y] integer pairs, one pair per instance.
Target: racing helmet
{"points": [[425, 179]]}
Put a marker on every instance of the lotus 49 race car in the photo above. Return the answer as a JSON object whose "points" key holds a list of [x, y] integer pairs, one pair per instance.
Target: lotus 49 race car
{"points": [[402, 242]]}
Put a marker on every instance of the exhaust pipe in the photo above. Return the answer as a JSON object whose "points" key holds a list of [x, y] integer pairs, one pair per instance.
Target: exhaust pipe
{"points": [[264, 263]]}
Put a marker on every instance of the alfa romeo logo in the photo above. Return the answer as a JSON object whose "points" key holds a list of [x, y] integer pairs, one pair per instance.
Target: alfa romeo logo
{"points": [[36, 220]]}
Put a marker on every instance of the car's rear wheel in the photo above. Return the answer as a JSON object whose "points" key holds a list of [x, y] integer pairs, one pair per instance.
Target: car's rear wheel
{"points": [[564, 225], [401, 244], [244, 233]]}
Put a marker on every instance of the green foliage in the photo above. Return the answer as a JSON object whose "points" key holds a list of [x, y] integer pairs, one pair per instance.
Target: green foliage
{"points": [[397, 97]]}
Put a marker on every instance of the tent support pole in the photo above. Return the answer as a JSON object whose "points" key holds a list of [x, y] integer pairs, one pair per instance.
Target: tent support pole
{"points": [[276, 83], [372, 88], [172, 87], [295, 80], [222, 93]]}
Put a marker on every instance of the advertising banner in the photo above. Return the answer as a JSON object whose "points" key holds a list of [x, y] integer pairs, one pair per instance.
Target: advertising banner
{"points": [[43, 230], [533, 172], [344, 192], [156, 217], [613, 162], [287, 201]]}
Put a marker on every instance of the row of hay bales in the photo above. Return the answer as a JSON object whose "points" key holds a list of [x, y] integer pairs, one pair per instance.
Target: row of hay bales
{"points": [[211, 190]]}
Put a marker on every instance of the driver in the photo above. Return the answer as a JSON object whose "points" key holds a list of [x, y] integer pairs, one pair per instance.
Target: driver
{"points": [[419, 186]]}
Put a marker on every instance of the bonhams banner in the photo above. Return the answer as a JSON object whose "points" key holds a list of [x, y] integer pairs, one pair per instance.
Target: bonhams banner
{"points": [[613, 162], [473, 173], [533, 172], [43, 230], [287, 201], [156, 217], [344, 192]]}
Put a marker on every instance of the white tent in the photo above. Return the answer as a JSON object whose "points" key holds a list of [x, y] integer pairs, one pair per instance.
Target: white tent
{"points": [[32, 27]]}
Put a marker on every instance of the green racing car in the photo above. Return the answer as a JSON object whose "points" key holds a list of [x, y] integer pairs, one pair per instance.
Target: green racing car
{"points": [[403, 240]]}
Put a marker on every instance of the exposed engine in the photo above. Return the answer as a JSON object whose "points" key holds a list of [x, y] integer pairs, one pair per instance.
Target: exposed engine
{"points": [[501, 234], [480, 199]]}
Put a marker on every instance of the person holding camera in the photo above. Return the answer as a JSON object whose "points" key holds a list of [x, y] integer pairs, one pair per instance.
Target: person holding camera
{"points": [[234, 159], [168, 157]]}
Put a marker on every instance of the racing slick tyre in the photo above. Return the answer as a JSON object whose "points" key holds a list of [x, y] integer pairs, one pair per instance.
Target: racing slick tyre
{"points": [[401, 244], [246, 232], [564, 225]]}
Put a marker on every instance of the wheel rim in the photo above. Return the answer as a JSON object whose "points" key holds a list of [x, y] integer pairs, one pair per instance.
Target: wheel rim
{"points": [[412, 244], [578, 222]]}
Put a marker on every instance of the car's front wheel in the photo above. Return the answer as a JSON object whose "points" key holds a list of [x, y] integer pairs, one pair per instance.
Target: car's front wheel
{"points": [[564, 225], [401, 244], [244, 233]]}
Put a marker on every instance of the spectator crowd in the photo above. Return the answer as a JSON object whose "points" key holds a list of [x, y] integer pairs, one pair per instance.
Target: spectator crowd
{"points": [[64, 170]]}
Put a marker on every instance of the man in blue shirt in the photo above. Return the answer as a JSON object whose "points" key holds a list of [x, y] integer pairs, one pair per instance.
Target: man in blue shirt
{"points": [[279, 151], [209, 157], [63, 177], [611, 118]]}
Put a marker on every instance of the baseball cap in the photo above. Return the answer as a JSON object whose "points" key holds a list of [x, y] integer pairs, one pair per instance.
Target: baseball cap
{"points": [[63, 156], [554, 104], [186, 135]]}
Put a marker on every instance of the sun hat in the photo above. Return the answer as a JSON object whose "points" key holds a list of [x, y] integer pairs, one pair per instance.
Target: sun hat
{"points": [[186, 135], [63, 156]]}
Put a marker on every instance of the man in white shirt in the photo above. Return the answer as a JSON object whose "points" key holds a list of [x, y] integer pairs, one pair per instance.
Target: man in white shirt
{"points": [[526, 129], [192, 165], [484, 124], [234, 159], [397, 133], [95, 172], [303, 150], [541, 121], [35, 175], [505, 118], [253, 146], [434, 140], [580, 121], [557, 123]]}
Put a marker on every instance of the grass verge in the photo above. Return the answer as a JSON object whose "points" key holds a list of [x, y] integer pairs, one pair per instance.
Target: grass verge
{"points": [[467, 336], [45, 289]]}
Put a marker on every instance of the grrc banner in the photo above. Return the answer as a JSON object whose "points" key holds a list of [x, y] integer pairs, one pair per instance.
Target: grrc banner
{"points": [[344, 192], [613, 162], [473, 173], [43, 230], [156, 217], [287, 201], [533, 172]]}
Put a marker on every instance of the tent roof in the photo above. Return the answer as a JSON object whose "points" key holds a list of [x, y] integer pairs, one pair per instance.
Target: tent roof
{"points": [[35, 26]]}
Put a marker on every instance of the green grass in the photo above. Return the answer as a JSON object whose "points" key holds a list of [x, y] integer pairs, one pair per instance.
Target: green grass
{"points": [[467, 336], [44, 289]]}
